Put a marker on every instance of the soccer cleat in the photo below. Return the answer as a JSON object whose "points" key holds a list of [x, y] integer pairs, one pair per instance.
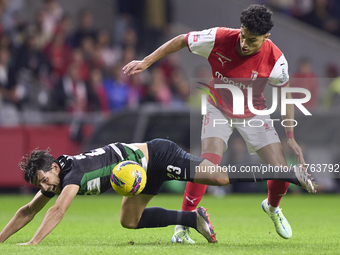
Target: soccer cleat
{"points": [[305, 179], [182, 236], [281, 224], [204, 225]]}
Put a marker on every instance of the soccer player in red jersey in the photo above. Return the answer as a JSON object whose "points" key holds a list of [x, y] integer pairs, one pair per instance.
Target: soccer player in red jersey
{"points": [[244, 57]]}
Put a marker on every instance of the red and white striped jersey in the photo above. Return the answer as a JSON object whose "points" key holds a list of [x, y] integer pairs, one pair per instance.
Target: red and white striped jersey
{"points": [[219, 47]]}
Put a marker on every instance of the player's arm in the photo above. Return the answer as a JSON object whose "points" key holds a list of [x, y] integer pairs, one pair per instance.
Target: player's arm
{"points": [[55, 214], [167, 48], [24, 215], [289, 117]]}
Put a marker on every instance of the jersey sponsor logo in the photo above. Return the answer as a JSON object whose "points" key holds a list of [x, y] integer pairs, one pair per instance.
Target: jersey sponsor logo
{"points": [[231, 82], [254, 75]]}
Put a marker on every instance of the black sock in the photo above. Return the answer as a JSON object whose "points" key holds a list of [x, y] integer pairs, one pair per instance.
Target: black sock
{"points": [[154, 217], [256, 172]]}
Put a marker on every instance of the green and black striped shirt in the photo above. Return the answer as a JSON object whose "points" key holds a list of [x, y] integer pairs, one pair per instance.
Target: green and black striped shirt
{"points": [[91, 170]]}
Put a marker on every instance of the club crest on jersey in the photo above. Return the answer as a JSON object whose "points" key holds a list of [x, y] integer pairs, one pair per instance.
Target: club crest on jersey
{"points": [[254, 75]]}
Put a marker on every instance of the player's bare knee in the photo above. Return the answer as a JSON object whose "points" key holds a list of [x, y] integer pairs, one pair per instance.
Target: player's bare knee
{"points": [[130, 224]]}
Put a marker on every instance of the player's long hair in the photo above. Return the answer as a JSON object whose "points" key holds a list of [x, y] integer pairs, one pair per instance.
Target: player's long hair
{"points": [[36, 160], [257, 19]]}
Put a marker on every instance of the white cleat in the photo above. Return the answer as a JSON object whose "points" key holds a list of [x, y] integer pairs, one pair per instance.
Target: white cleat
{"points": [[280, 222], [182, 236]]}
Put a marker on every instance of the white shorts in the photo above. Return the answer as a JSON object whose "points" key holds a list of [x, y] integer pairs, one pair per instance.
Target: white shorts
{"points": [[257, 131]]}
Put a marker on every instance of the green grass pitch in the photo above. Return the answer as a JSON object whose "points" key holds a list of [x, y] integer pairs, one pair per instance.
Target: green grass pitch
{"points": [[91, 226]]}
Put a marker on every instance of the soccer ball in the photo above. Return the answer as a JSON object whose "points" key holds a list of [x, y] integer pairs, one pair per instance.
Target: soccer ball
{"points": [[128, 178]]}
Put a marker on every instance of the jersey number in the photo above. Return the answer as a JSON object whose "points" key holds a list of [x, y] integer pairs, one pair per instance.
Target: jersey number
{"points": [[93, 153], [174, 172], [174, 169]]}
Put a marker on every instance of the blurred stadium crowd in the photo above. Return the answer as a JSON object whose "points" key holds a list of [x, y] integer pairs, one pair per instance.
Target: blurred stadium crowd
{"points": [[51, 63], [55, 62], [323, 14]]}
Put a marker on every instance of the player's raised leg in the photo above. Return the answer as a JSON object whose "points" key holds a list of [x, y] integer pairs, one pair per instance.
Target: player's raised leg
{"points": [[194, 192], [210, 174]]}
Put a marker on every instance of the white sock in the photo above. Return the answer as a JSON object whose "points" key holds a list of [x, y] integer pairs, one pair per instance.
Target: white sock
{"points": [[272, 209]]}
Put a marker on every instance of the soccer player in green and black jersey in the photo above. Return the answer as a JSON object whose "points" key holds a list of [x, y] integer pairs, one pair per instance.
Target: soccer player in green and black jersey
{"points": [[89, 173]]}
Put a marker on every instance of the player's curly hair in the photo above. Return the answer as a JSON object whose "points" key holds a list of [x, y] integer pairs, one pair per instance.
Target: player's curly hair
{"points": [[36, 160], [257, 19]]}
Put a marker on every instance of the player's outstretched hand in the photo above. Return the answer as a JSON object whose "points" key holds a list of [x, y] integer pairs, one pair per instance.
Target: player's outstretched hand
{"points": [[297, 150], [134, 67]]}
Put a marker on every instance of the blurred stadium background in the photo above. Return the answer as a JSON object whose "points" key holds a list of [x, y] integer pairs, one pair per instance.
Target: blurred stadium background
{"points": [[61, 84]]}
